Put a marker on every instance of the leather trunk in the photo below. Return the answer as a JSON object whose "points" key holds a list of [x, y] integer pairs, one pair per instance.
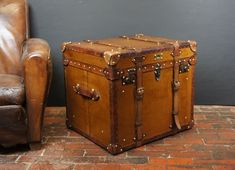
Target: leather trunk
{"points": [[127, 91]]}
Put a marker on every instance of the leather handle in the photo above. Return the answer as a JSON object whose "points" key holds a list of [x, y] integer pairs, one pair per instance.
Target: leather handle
{"points": [[90, 94]]}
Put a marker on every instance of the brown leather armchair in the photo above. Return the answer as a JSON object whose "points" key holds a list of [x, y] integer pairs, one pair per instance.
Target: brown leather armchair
{"points": [[25, 74]]}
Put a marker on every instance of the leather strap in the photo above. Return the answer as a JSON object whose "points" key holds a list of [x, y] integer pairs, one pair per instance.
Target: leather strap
{"points": [[176, 85], [139, 100], [90, 94]]}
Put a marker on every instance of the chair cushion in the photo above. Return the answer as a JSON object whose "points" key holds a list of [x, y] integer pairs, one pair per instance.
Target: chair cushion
{"points": [[11, 90]]}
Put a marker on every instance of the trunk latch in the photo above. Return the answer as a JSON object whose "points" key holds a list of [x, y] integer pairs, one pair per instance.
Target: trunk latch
{"points": [[130, 78], [157, 71], [184, 67]]}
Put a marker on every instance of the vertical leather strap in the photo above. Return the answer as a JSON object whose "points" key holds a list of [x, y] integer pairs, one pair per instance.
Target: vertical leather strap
{"points": [[139, 99], [176, 85]]}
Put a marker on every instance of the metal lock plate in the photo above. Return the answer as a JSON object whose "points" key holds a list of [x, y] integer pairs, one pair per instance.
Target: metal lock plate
{"points": [[157, 71], [158, 56], [130, 78], [183, 67]]}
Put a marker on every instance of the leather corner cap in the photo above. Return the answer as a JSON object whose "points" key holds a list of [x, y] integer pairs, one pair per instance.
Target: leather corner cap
{"points": [[12, 90]]}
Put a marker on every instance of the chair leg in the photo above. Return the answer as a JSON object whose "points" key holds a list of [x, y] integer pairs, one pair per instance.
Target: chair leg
{"points": [[35, 146]]}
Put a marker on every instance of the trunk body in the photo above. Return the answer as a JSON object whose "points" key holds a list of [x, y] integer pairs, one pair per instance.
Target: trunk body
{"points": [[127, 91]]}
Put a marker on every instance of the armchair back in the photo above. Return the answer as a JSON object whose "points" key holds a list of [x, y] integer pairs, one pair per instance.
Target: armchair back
{"points": [[13, 32]]}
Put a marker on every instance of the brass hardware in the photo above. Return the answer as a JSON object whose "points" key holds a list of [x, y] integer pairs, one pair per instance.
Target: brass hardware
{"points": [[130, 78], [183, 67], [139, 35], [193, 46], [170, 126], [157, 71], [158, 56], [64, 46], [176, 85], [123, 140], [111, 57], [185, 117], [134, 139], [140, 91], [144, 135]]}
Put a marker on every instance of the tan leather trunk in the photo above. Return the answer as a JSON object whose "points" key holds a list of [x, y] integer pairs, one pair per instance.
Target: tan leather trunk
{"points": [[127, 91]]}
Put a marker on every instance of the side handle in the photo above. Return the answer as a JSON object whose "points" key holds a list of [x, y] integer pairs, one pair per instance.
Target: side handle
{"points": [[90, 94]]}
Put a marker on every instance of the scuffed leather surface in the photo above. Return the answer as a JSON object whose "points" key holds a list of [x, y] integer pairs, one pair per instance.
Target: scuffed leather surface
{"points": [[13, 32], [13, 126], [30, 59], [36, 47], [11, 90], [37, 76]]}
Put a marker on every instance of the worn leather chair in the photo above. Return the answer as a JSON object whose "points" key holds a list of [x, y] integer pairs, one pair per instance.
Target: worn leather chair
{"points": [[25, 73]]}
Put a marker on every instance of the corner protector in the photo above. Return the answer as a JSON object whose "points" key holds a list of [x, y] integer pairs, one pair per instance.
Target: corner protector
{"points": [[114, 148], [63, 47], [193, 46], [112, 57]]}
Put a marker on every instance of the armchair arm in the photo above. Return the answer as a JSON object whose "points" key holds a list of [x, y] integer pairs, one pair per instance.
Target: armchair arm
{"points": [[37, 75]]}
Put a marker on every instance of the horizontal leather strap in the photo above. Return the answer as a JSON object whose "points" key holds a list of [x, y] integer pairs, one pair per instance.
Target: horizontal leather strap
{"points": [[90, 94]]}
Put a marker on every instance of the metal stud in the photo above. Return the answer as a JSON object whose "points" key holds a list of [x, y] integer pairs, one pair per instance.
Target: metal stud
{"points": [[123, 140], [102, 131], [185, 117], [170, 126], [123, 91]]}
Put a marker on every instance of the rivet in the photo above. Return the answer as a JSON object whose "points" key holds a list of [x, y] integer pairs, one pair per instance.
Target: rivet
{"points": [[116, 146], [170, 126], [164, 64], [121, 72], [123, 83], [100, 70], [171, 63], [186, 78], [118, 73], [123, 140], [121, 150], [73, 116], [185, 117], [145, 68], [152, 66], [144, 135], [102, 131], [134, 138], [118, 56], [123, 91], [188, 127], [89, 67], [192, 120], [84, 66], [184, 60]]}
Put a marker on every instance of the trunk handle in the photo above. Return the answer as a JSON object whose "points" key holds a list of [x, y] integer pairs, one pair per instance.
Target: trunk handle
{"points": [[90, 94]]}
